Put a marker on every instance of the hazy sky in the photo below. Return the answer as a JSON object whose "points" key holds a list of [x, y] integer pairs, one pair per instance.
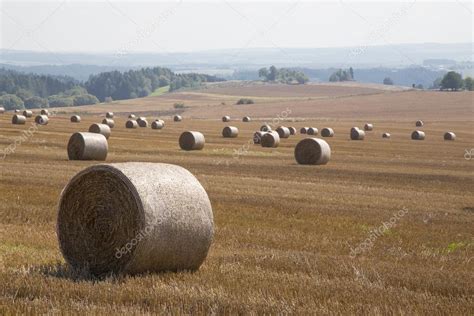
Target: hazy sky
{"points": [[114, 26]]}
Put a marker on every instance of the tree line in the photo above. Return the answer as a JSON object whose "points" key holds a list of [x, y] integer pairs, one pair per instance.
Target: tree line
{"points": [[282, 75], [25, 90]]}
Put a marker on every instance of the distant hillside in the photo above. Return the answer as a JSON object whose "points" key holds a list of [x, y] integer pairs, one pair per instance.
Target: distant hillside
{"points": [[366, 56]]}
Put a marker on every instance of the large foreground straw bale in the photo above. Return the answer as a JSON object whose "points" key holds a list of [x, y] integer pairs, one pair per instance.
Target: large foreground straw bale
{"points": [[312, 151], [191, 140], [87, 146], [230, 132], [103, 129], [132, 218], [327, 132], [270, 139]]}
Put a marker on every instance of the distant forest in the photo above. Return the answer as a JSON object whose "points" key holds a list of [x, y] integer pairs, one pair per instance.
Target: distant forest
{"points": [[26, 90], [400, 76]]}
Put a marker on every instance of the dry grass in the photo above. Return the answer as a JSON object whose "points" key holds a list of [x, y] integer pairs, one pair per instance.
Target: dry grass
{"points": [[284, 232]]}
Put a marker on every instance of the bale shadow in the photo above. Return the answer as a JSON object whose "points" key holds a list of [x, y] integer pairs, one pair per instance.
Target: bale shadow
{"points": [[64, 271]]}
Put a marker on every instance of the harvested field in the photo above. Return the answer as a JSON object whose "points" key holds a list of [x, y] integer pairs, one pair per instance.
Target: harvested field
{"points": [[288, 238]]}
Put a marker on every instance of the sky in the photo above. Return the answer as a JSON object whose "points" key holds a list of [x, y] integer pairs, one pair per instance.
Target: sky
{"points": [[186, 26]]}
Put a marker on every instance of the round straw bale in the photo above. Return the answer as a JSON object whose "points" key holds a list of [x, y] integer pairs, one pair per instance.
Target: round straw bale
{"points": [[368, 127], [265, 128], [109, 122], [41, 119], [131, 124], [386, 135], [27, 113], [87, 146], [357, 134], [44, 112], [449, 136], [103, 129], [312, 131], [2, 110], [177, 118], [419, 123], [283, 132], [75, 119], [270, 139], [132, 218], [418, 135], [18, 119], [312, 151], [327, 132], [161, 121], [246, 119], [16, 111], [304, 130], [191, 140], [230, 132], [109, 115], [132, 116], [157, 125], [142, 122], [292, 130], [257, 136], [226, 118]]}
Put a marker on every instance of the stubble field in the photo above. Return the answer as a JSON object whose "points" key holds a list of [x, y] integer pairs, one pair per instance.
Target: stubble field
{"points": [[289, 238]]}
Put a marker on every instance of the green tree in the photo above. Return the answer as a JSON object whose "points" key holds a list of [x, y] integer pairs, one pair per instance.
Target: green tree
{"points": [[11, 102], [452, 81], [263, 73], [24, 94], [36, 103], [468, 83], [85, 99], [60, 101], [388, 81], [273, 73], [351, 72]]}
